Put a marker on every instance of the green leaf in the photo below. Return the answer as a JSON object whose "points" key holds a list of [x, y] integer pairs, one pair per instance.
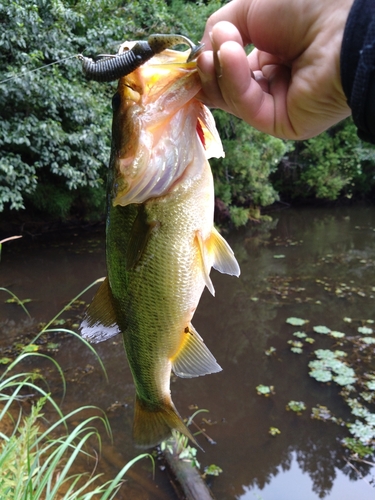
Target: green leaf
{"points": [[265, 390], [5, 361], [321, 329], [296, 406], [365, 330], [337, 335], [212, 470], [300, 335], [297, 321], [274, 431]]}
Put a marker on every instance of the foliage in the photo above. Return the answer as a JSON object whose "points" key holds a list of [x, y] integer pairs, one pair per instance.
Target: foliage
{"points": [[52, 127], [333, 164], [37, 457], [189, 18], [242, 177], [55, 126]]}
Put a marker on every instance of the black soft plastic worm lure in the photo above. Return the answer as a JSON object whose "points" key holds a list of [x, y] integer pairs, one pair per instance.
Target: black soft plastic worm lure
{"points": [[112, 67]]}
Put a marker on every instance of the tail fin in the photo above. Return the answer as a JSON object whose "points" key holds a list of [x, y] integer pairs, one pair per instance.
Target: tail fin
{"points": [[153, 425]]}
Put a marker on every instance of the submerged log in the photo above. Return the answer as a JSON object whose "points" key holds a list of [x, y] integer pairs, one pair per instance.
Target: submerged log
{"points": [[188, 477]]}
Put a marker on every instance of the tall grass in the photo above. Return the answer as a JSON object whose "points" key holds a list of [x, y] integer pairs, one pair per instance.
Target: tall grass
{"points": [[36, 457]]}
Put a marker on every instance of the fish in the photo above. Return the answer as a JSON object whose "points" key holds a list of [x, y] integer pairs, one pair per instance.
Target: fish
{"points": [[161, 242]]}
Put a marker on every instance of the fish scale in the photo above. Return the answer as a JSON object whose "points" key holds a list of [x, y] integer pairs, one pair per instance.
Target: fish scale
{"points": [[161, 242]]}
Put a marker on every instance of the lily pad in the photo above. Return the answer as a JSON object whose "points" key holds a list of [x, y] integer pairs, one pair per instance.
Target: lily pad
{"points": [[264, 390], [337, 335], [365, 330], [368, 340], [322, 329], [296, 350], [371, 385], [296, 321], [296, 406], [300, 335]]}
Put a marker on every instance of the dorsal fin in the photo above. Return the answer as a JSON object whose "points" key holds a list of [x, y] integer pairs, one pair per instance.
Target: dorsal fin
{"points": [[194, 358], [99, 323]]}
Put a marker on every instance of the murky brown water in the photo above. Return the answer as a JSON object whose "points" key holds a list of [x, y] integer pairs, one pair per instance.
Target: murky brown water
{"points": [[291, 267]]}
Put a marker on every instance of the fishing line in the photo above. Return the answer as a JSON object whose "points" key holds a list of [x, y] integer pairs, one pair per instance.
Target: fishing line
{"points": [[37, 69]]}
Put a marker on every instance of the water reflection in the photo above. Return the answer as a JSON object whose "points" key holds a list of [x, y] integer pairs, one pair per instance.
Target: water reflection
{"points": [[293, 484], [292, 267]]}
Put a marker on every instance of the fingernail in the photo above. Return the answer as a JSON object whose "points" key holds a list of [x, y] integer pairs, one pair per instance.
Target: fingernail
{"points": [[217, 63], [203, 76]]}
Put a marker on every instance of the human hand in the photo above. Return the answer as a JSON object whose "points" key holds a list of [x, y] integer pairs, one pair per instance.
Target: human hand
{"points": [[289, 86]]}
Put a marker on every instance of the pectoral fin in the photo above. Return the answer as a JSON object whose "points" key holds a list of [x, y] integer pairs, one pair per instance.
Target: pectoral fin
{"points": [[224, 259], [216, 252], [206, 266], [139, 236], [99, 323], [194, 358]]}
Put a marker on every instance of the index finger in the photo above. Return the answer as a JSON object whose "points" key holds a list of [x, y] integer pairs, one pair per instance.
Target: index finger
{"points": [[234, 13]]}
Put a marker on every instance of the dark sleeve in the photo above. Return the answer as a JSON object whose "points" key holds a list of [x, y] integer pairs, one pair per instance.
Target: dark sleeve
{"points": [[357, 63]]}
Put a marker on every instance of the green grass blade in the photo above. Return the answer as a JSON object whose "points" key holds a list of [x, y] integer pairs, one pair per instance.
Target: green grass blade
{"points": [[99, 280], [87, 344], [19, 301]]}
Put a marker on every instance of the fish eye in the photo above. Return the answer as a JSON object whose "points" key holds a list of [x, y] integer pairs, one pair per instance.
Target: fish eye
{"points": [[116, 101]]}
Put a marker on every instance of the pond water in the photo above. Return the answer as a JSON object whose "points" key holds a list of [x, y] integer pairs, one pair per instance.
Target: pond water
{"points": [[315, 264]]}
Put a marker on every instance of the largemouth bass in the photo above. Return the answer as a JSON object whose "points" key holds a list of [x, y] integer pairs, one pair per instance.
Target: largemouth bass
{"points": [[161, 242]]}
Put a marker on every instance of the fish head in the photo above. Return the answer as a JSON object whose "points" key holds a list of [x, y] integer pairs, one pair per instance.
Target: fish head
{"points": [[156, 121]]}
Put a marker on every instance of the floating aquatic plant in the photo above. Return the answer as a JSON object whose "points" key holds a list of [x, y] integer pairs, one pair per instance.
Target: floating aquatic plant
{"points": [[320, 412], [300, 335], [296, 346], [271, 350], [297, 321], [337, 335], [265, 390], [329, 367], [212, 470], [353, 370], [365, 330], [296, 406], [274, 431], [322, 329]]}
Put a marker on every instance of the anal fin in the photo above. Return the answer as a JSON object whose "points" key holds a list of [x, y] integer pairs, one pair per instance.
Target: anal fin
{"points": [[99, 323], [194, 358]]}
